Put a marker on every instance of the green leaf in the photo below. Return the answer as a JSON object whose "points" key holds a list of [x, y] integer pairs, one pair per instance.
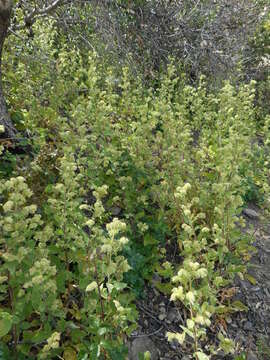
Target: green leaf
{"points": [[91, 286], [149, 240], [42, 334], [187, 331], [119, 286], [102, 331], [164, 288], [5, 324], [201, 356], [70, 354], [147, 355], [238, 305], [166, 271], [5, 353], [251, 279]]}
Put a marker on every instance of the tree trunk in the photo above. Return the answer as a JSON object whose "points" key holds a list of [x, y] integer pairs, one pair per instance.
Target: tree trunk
{"points": [[5, 13]]}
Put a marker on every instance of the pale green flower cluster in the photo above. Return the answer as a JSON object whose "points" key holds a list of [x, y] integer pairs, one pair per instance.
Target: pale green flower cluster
{"points": [[42, 274], [182, 191], [101, 192], [143, 227], [115, 227], [52, 343], [19, 192], [190, 297]]}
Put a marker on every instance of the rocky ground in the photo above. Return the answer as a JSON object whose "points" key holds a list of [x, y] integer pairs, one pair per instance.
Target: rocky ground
{"points": [[250, 329]]}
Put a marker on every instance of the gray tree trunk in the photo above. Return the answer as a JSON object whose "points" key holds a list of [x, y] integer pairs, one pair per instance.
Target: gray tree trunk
{"points": [[5, 13]]}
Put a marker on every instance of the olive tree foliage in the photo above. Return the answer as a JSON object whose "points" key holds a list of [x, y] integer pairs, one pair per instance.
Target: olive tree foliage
{"points": [[207, 36]]}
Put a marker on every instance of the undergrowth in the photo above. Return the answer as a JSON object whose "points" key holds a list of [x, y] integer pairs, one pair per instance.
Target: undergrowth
{"points": [[117, 173]]}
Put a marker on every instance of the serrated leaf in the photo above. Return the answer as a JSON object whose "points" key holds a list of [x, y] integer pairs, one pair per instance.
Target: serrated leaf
{"points": [[5, 326], [149, 240], [70, 354], [166, 271], [201, 356], [119, 286], [166, 289], [222, 309], [91, 286], [238, 305], [187, 331], [251, 279]]}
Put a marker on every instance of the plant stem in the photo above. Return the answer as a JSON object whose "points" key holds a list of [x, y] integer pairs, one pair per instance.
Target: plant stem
{"points": [[99, 292]]}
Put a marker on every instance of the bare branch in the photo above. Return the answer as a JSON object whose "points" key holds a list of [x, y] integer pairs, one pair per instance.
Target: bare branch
{"points": [[50, 8], [37, 12]]}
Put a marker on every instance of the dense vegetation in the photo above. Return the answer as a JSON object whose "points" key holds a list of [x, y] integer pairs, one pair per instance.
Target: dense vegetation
{"points": [[108, 172]]}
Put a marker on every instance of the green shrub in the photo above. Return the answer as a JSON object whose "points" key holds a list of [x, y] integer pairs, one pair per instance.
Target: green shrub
{"points": [[118, 174]]}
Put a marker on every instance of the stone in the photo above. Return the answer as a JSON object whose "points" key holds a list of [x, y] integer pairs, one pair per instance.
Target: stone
{"points": [[140, 346], [173, 316], [156, 292], [255, 288], [162, 316], [156, 278], [174, 344], [245, 285], [116, 210], [248, 326], [145, 323], [252, 356], [252, 214], [162, 309]]}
